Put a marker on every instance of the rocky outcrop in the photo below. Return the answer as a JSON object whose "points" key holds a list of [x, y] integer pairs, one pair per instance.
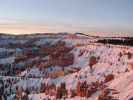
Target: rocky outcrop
{"points": [[107, 94], [21, 95], [109, 78], [43, 88], [92, 61], [85, 90], [63, 60], [72, 93], [57, 74], [62, 92]]}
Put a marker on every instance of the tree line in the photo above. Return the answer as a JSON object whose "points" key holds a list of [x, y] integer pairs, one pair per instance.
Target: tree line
{"points": [[123, 41]]}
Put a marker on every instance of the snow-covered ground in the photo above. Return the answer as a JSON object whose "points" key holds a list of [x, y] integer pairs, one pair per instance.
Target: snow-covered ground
{"points": [[109, 62]]}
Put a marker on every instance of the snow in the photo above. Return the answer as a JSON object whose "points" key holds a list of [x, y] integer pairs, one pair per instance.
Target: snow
{"points": [[108, 63], [103, 67], [8, 60]]}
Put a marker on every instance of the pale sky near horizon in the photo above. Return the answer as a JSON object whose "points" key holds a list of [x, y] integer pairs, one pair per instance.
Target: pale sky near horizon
{"points": [[95, 17]]}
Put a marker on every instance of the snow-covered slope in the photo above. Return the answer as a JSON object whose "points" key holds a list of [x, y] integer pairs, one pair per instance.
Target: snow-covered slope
{"points": [[111, 60]]}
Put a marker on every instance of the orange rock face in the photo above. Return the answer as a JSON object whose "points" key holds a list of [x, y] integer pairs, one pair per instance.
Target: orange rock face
{"points": [[73, 94], [59, 54], [85, 90], [92, 61], [61, 91], [64, 60], [21, 95], [57, 74], [107, 94], [109, 78], [19, 59], [43, 87]]}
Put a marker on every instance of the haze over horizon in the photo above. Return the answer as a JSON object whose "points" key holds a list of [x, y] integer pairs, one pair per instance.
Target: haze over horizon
{"points": [[95, 17]]}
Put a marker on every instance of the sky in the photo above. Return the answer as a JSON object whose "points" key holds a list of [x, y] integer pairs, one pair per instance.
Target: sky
{"points": [[94, 17]]}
